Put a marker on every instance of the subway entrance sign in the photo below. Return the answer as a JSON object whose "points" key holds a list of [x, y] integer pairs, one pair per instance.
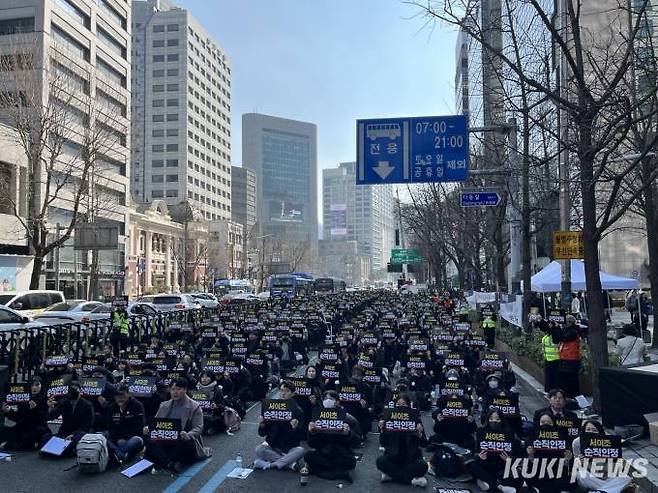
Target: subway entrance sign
{"points": [[412, 150], [568, 245]]}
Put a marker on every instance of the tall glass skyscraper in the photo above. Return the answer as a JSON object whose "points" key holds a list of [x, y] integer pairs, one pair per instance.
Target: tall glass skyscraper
{"points": [[283, 154]]}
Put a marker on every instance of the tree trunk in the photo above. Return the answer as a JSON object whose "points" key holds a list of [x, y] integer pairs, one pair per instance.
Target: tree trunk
{"points": [[526, 240], [36, 271], [651, 218], [92, 291], [598, 337]]}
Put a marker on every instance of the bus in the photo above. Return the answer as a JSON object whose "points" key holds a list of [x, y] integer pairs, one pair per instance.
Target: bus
{"points": [[290, 285], [232, 286], [329, 285]]}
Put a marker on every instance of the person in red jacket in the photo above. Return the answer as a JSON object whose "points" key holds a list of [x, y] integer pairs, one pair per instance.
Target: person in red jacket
{"points": [[569, 338]]}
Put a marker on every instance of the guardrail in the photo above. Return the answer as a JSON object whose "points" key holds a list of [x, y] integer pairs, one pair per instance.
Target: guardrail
{"points": [[24, 350]]}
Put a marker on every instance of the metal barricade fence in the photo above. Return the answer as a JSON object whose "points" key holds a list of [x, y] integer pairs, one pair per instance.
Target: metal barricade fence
{"points": [[24, 351]]}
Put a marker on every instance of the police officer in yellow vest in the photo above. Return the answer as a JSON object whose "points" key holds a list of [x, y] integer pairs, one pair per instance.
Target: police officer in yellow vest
{"points": [[551, 352], [489, 326], [120, 324]]}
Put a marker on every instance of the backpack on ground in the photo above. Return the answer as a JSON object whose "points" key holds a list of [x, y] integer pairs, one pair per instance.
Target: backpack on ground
{"points": [[236, 404], [232, 420], [449, 460], [92, 454]]}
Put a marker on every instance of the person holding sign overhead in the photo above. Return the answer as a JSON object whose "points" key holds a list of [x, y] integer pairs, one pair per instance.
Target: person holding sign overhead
{"points": [[187, 446], [281, 425], [589, 432], [330, 436], [402, 437], [27, 408]]}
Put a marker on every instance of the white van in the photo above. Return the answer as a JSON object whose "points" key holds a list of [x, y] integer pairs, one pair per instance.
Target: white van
{"points": [[30, 303]]}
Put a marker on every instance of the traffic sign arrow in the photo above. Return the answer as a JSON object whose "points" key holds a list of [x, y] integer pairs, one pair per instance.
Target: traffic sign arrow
{"points": [[383, 169]]}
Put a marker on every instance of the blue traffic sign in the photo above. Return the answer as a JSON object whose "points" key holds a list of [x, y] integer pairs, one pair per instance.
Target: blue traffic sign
{"points": [[479, 199], [412, 150]]}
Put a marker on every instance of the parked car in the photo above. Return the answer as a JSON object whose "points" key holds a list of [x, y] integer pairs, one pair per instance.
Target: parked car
{"points": [[136, 308], [171, 302], [206, 300], [67, 312], [12, 319], [31, 303]]}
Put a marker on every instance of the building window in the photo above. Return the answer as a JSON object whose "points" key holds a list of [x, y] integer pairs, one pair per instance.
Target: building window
{"points": [[157, 148], [158, 73], [172, 72], [172, 178], [157, 163], [158, 118], [159, 28], [157, 178], [172, 163], [158, 43], [172, 102], [158, 58], [110, 72], [75, 12], [172, 87], [172, 132], [172, 27], [172, 147], [111, 102], [115, 46], [172, 42], [69, 42], [172, 57], [112, 13], [172, 117], [157, 133], [158, 103], [16, 26], [158, 87], [172, 193], [156, 194]]}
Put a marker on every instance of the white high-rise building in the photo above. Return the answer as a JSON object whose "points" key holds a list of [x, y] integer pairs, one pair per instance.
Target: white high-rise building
{"points": [[363, 213], [181, 111], [80, 53]]}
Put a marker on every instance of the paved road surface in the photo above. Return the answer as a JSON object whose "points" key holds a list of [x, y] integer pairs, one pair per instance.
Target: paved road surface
{"points": [[28, 473]]}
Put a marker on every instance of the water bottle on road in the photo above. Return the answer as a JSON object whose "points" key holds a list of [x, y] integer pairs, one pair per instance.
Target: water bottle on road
{"points": [[238, 461]]}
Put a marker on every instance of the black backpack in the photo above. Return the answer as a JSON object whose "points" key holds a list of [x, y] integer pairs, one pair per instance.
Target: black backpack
{"points": [[445, 462], [237, 405]]}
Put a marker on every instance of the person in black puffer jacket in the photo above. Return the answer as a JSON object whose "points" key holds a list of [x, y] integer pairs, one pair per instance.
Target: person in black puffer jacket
{"points": [[403, 461], [31, 420]]}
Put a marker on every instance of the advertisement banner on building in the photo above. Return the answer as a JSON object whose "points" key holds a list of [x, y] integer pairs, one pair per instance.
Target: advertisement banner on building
{"points": [[286, 211], [8, 270], [338, 219]]}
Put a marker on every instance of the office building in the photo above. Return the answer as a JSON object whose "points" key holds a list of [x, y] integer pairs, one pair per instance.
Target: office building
{"points": [[78, 59], [364, 213], [283, 154], [243, 200], [181, 111]]}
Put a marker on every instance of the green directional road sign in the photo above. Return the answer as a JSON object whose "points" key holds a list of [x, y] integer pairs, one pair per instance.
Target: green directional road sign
{"points": [[405, 256]]}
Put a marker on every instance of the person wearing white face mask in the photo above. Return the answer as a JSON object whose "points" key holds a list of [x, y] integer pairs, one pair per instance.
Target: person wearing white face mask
{"points": [[332, 456]]}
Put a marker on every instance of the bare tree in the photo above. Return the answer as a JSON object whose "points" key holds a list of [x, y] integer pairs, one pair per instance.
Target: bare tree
{"points": [[600, 111], [47, 111]]}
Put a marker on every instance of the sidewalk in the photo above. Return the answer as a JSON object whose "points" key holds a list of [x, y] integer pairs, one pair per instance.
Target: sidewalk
{"points": [[636, 449]]}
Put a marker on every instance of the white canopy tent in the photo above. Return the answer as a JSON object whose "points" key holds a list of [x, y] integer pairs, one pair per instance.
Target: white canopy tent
{"points": [[549, 279]]}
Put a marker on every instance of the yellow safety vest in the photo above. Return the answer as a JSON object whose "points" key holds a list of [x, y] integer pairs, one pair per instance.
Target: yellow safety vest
{"points": [[551, 350], [488, 324], [121, 322]]}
